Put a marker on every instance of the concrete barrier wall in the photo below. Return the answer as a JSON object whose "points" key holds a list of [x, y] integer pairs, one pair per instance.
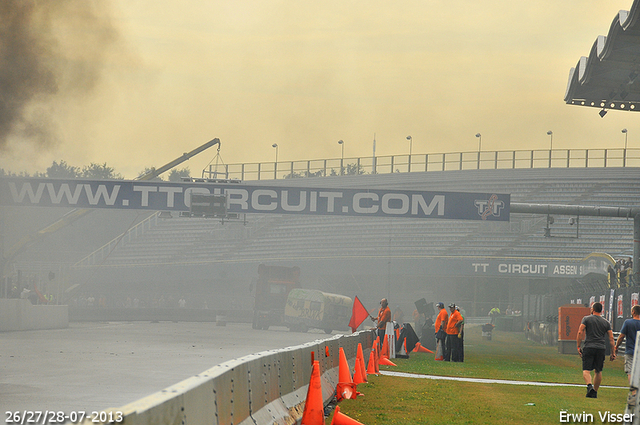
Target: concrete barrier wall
{"points": [[264, 388], [21, 315]]}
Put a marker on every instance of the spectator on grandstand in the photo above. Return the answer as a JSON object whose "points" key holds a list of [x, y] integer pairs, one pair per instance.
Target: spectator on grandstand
{"points": [[182, 303], [623, 273]]}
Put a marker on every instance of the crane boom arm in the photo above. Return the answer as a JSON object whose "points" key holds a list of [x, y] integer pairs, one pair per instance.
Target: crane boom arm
{"points": [[185, 156]]}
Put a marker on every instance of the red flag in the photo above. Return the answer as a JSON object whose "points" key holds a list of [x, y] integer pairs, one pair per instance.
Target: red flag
{"points": [[358, 314]]}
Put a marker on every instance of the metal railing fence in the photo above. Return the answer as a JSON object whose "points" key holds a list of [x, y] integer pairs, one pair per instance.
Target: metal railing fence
{"points": [[455, 161], [99, 255]]}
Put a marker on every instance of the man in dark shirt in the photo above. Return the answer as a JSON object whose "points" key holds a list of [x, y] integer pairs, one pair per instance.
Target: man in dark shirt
{"points": [[594, 330]]}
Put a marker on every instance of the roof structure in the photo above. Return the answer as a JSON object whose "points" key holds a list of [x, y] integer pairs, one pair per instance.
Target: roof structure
{"points": [[608, 77]]}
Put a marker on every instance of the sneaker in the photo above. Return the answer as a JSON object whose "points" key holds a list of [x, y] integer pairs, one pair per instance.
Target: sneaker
{"points": [[592, 393]]}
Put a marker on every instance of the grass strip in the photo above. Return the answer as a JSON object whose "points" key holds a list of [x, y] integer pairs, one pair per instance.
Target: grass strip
{"points": [[509, 356]]}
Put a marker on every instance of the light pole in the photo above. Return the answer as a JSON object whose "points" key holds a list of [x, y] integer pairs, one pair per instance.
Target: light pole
{"points": [[479, 136], [410, 139], [550, 134], [624, 154], [341, 143], [275, 166]]}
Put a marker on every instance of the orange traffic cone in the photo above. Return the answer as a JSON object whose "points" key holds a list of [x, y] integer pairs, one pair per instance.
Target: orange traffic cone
{"points": [[386, 362], [342, 419], [345, 389], [385, 347], [371, 367], [357, 374], [313, 413], [420, 349], [344, 374], [377, 362], [363, 367]]}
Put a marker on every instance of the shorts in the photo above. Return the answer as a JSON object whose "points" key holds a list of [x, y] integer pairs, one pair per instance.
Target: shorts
{"points": [[593, 358], [628, 363]]}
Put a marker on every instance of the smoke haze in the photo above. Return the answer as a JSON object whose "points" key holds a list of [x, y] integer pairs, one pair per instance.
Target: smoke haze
{"points": [[48, 48], [136, 83]]}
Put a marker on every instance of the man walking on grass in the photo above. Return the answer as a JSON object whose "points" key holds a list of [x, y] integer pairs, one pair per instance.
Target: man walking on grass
{"points": [[628, 333], [630, 327], [594, 330]]}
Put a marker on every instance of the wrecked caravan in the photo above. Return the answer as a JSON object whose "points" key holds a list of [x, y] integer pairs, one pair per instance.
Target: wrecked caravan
{"points": [[309, 308]]}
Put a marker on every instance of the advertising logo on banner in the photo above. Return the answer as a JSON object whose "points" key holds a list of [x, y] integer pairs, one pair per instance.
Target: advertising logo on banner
{"points": [[579, 301], [592, 300], [620, 306], [604, 306], [634, 299]]}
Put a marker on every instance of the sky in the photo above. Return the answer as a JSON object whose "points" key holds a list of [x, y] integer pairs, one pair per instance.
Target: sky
{"points": [[135, 83]]}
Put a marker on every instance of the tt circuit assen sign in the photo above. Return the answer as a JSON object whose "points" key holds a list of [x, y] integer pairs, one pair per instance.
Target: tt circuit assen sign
{"points": [[595, 263], [240, 198]]}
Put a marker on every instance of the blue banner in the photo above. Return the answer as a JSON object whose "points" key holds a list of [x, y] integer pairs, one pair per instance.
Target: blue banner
{"points": [[240, 198]]}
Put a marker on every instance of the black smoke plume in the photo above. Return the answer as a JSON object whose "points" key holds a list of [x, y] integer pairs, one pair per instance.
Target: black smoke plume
{"points": [[48, 49]]}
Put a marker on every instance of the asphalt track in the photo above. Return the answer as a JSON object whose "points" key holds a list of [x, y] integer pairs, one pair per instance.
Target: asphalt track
{"points": [[93, 366]]}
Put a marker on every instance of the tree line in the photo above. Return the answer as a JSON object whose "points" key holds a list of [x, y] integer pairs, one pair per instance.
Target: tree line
{"points": [[63, 170]]}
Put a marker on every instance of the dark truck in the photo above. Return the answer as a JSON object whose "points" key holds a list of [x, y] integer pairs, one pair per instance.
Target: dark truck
{"points": [[272, 289]]}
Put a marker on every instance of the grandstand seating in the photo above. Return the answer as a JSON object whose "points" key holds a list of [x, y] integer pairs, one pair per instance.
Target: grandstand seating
{"points": [[263, 237]]}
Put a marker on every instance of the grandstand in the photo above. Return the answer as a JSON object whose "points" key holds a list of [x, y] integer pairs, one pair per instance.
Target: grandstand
{"points": [[289, 237], [406, 259]]}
